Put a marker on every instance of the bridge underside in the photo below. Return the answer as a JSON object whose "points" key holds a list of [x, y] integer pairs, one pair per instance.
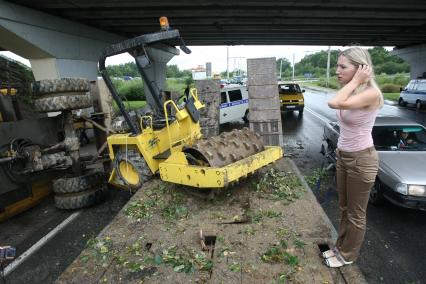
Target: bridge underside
{"points": [[303, 22]]}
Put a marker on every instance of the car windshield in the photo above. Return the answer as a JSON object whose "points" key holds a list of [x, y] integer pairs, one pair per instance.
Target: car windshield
{"points": [[401, 138], [288, 88]]}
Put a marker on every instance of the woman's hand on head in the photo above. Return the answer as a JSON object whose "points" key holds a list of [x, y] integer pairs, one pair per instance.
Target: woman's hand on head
{"points": [[362, 75]]}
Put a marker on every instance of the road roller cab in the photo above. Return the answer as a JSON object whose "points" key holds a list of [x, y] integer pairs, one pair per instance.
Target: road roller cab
{"points": [[167, 139]]}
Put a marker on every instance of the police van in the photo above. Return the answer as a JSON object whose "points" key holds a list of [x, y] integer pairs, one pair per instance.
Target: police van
{"points": [[414, 93], [233, 103]]}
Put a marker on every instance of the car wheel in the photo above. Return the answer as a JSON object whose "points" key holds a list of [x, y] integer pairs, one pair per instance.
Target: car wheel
{"points": [[301, 110], [376, 194], [401, 102], [418, 104], [246, 117]]}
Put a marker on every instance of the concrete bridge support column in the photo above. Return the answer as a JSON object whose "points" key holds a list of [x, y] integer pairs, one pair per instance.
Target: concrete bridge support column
{"points": [[155, 71], [56, 47], [416, 57]]}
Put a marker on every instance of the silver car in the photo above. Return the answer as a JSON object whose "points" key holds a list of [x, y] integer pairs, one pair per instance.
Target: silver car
{"points": [[401, 145]]}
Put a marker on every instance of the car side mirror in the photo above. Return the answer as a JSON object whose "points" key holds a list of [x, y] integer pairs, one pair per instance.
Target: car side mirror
{"points": [[303, 90]]}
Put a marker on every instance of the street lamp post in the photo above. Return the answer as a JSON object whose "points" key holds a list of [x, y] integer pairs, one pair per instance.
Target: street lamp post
{"points": [[227, 63], [328, 67]]}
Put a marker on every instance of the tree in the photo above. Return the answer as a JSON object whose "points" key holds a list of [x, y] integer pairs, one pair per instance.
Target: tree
{"points": [[286, 66], [172, 71]]}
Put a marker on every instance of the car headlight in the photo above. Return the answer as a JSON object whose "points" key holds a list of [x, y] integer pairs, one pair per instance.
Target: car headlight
{"points": [[301, 100], [401, 188], [418, 190]]}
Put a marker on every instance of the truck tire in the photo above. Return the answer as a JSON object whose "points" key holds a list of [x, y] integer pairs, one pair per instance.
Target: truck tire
{"points": [[132, 168], [63, 101], [401, 102], [81, 199], [52, 86], [418, 104], [92, 179]]}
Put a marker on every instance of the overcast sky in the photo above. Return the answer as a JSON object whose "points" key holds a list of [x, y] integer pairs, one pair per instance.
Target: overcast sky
{"points": [[217, 55]]}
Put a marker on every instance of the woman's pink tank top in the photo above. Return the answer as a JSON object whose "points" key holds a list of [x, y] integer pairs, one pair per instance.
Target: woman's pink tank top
{"points": [[355, 129]]}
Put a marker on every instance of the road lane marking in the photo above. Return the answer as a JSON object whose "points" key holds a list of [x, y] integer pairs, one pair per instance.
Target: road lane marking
{"points": [[8, 269], [319, 116]]}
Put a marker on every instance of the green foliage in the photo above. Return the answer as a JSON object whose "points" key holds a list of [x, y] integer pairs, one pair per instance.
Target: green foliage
{"points": [[169, 204], [140, 210], [121, 70], [130, 105], [315, 175], [316, 63], [131, 90], [172, 71], [130, 69], [187, 261], [177, 85], [333, 84], [391, 96], [276, 254], [401, 79], [390, 88], [99, 250], [280, 185], [299, 243], [286, 68], [235, 267]]}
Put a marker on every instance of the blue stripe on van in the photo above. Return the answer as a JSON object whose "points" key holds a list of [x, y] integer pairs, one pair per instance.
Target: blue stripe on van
{"points": [[225, 105]]}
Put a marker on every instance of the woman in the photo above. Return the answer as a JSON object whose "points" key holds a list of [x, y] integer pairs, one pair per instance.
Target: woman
{"points": [[357, 104]]}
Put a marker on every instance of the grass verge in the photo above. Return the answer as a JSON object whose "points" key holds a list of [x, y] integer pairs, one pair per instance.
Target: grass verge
{"points": [[131, 105], [391, 96]]}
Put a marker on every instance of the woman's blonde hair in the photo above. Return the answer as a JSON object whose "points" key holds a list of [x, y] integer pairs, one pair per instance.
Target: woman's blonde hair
{"points": [[359, 56]]}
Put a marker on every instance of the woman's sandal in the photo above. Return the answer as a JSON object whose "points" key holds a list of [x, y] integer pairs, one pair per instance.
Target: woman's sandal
{"points": [[336, 261], [329, 253]]}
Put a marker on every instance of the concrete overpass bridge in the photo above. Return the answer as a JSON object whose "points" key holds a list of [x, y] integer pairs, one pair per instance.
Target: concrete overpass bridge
{"points": [[69, 35]]}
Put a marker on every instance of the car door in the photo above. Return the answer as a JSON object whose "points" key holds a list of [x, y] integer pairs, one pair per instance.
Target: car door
{"points": [[421, 91], [411, 93], [224, 108], [238, 107]]}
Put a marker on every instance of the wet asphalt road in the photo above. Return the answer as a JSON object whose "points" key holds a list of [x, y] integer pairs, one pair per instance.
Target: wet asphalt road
{"points": [[393, 251]]}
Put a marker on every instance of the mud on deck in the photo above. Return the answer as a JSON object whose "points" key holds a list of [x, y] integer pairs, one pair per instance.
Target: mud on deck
{"points": [[251, 233]]}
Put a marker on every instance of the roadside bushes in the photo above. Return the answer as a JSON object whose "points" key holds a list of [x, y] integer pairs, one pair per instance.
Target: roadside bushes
{"points": [[131, 90], [390, 88], [392, 83], [322, 82]]}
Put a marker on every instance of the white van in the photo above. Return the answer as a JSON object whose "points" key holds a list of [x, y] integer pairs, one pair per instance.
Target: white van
{"points": [[233, 103], [414, 93]]}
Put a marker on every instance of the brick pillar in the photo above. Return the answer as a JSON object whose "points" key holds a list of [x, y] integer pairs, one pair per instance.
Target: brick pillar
{"points": [[209, 94], [264, 104]]}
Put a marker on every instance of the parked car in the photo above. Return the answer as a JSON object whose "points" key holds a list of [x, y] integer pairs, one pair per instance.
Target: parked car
{"points": [[401, 178], [234, 103], [414, 93], [291, 97]]}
